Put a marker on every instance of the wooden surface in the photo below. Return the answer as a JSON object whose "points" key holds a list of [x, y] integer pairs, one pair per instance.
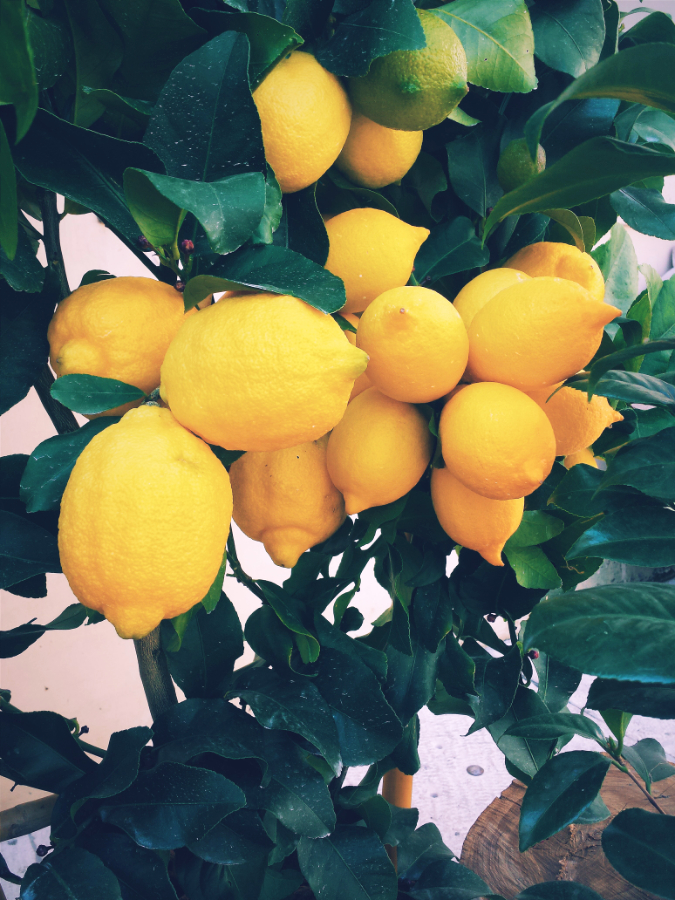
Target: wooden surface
{"points": [[574, 854]]}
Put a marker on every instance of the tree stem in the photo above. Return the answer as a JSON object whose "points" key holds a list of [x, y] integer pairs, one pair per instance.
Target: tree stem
{"points": [[157, 684], [52, 241], [645, 792], [62, 419], [26, 817]]}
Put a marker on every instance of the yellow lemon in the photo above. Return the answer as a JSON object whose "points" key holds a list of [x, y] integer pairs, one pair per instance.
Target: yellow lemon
{"points": [[536, 333], [474, 295], [416, 343], [516, 166], [415, 89], [496, 440], [363, 382], [375, 156], [260, 372], [560, 261], [372, 252], [378, 451], [119, 328], [576, 423], [144, 521], [583, 457], [474, 521], [285, 499], [305, 117]]}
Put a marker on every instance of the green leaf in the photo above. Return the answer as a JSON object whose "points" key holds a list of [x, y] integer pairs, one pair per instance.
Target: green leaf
{"points": [[350, 864], [288, 610], [641, 847], [456, 669], [654, 700], [527, 755], [618, 631], [9, 232], [496, 683], [269, 638], [240, 838], [558, 890], [643, 536], [24, 272], [451, 247], [591, 170], [498, 41], [18, 82], [551, 726], [50, 41], [532, 567], [472, 167], [562, 789], [172, 804], [654, 126], [645, 211], [212, 130], [50, 464], [648, 758], [301, 227], [618, 263], [432, 613], [445, 877], [89, 394], [158, 218], [657, 26], [535, 528], [571, 223], [568, 36], [411, 680], [16, 640], [126, 118], [370, 33], [634, 387], [141, 873], [647, 464], [580, 493], [72, 874], [26, 549]]}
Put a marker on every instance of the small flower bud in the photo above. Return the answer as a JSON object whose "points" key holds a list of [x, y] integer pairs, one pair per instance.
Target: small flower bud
{"points": [[180, 286], [187, 246], [533, 654], [492, 617], [42, 850], [84, 729], [144, 243]]}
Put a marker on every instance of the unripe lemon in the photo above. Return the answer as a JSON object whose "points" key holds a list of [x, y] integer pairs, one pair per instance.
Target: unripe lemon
{"points": [[496, 441], [119, 328], [144, 521], [516, 166], [536, 333], [285, 499], [481, 289], [378, 451], [363, 382], [416, 343], [415, 89], [375, 156], [305, 117], [372, 252], [260, 372], [474, 521], [560, 261], [581, 457], [576, 423]]}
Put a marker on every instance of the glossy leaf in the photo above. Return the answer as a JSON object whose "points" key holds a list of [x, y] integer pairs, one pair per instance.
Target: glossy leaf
{"points": [[239, 838], [142, 874], [472, 167], [432, 613], [617, 631], [9, 232], [558, 890], [581, 494], [642, 536], [618, 264], [451, 247], [456, 669], [498, 40], [73, 874], [557, 682], [411, 680], [536, 527], [654, 700], [572, 225], [648, 758], [26, 549], [641, 847], [568, 36], [532, 567], [158, 218], [646, 211], [16, 640], [18, 81], [289, 612], [526, 754], [550, 726], [301, 227], [496, 682], [562, 789], [24, 272], [647, 464], [634, 387], [89, 394]]}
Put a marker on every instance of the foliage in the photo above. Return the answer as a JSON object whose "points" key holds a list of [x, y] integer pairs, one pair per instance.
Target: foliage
{"points": [[142, 113]]}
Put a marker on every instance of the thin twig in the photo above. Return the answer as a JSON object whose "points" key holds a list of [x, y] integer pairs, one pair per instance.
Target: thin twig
{"points": [[52, 241], [62, 419], [623, 768], [155, 676]]}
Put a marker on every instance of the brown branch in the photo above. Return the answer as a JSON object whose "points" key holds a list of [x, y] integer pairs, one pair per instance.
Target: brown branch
{"points": [[25, 818], [645, 792], [62, 418], [155, 676]]}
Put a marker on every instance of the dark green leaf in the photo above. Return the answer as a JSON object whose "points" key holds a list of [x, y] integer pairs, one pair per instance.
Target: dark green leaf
{"points": [[238, 839], [657, 26], [370, 33], [634, 387], [642, 536], [158, 218], [417, 850], [456, 669], [89, 394], [350, 864], [570, 222], [269, 638], [618, 631], [411, 680], [18, 81], [647, 464], [579, 493], [172, 804], [618, 264], [16, 640], [444, 878], [9, 231], [496, 683], [26, 549], [562, 789], [641, 847], [472, 166], [432, 613], [142, 874], [558, 890], [654, 700], [24, 272], [532, 567], [73, 874], [377, 814], [289, 612], [536, 527], [95, 275], [551, 726], [568, 36], [451, 247], [127, 118], [557, 682], [301, 227], [528, 755], [648, 758], [645, 211], [483, 589], [6, 873], [308, 18]]}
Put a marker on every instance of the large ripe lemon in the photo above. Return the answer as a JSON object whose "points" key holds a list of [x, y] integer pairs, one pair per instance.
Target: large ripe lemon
{"points": [[372, 252], [415, 89], [260, 372], [481, 289], [285, 499], [378, 451], [305, 116], [363, 382], [144, 521], [576, 423], [375, 156], [416, 343], [536, 333], [560, 261], [474, 521], [119, 328], [496, 440], [581, 457]]}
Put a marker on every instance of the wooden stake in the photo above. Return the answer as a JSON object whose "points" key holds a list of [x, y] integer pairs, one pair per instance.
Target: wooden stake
{"points": [[397, 790]]}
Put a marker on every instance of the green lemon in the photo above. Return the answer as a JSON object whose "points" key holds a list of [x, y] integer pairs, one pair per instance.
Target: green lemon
{"points": [[516, 166]]}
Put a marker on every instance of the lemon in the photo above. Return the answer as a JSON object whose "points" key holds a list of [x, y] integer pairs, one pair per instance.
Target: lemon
{"points": [[474, 521], [372, 252], [363, 382], [474, 295], [378, 451], [576, 423], [144, 521], [285, 499], [305, 117], [496, 440], [414, 89], [416, 343], [560, 261], [536, 333], [581, 457], [375, 156], [260, 372], [119, 328], [516, 166]]}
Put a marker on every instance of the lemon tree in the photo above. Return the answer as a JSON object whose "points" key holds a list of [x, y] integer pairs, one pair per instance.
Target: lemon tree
{"points": [[428, 353]]}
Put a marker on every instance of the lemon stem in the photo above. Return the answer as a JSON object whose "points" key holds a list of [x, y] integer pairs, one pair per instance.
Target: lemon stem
{"points": [[155, 677]]}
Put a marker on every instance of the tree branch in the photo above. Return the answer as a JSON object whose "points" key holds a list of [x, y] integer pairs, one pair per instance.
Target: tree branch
{"points": [[25, 818], [52, 241], [155, 676], [62, 419]]}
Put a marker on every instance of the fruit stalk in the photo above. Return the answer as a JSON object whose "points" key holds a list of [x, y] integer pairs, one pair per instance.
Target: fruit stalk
{"points": [[157, 684]]}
